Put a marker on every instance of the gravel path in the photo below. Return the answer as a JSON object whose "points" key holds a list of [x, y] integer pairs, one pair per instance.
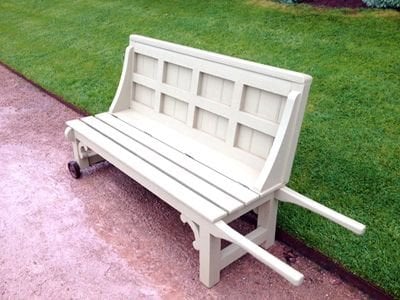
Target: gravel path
{"points": [[105, 236]]}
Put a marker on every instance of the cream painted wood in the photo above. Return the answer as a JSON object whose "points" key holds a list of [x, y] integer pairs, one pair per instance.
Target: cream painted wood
{"points": [[78, 149], [288, 195], [238, 108], [183, 176], [148, 175], [222, 230], [195, 146], [206, 173], [232, 252], [223, 59], [214, 137], [195, 229], [266, 218], [123, 94], [210, 257], [273, 171]]}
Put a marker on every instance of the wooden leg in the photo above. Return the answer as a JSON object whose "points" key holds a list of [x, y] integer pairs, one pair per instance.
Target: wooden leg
{"points": [[82, 154], [267, 214], [210, 258], [83, 161]]}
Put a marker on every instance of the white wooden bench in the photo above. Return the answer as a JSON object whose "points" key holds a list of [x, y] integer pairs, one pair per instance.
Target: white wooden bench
{"points": [[211, 135]]}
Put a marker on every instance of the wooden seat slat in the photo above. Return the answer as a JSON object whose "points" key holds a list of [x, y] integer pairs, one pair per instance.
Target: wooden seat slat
{"points": [[176, 137], [208, 174], [132, 164], [198, 185]]}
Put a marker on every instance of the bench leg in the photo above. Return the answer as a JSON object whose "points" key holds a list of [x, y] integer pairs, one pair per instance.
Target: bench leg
{"points": [[79, 155], [195, 229], [84, 156], [210, 258], [267, 214]]}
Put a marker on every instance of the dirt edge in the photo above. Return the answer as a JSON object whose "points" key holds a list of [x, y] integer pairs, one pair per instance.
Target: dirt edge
{"points": [[51, 94]]}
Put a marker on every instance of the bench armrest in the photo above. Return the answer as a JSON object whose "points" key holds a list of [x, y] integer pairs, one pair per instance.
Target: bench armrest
{"points": [[121, 99], [277, 167]]}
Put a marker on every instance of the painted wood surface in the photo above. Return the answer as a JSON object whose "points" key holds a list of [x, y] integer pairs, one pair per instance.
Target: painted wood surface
{"points": [[206, 173], [233, 107], [154, 179]]}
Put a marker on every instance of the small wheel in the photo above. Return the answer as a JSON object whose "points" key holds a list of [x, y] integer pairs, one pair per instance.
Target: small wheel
{"points": [[74, 169]]}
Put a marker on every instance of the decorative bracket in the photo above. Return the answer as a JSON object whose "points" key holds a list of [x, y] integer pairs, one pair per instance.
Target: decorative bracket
{"points": [[84, 151], [195, 229], [69, 134]]}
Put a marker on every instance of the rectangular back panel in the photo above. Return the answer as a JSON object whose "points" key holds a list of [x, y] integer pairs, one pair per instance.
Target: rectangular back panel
{"points": [[234, 105]]}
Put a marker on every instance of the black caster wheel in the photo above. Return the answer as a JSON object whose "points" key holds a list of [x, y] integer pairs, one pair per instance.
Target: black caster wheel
{"points": [[74, 169]]}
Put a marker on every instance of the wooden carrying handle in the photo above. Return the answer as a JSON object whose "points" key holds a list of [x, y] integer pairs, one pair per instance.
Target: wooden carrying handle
{"points": [[286, 194], [228, 233]]}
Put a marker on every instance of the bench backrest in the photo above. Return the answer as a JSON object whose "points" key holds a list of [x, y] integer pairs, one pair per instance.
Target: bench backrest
{"points": [[234, 106]]}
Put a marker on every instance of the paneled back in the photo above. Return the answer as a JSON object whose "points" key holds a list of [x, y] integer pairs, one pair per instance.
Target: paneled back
{"points": [[234, 105]]}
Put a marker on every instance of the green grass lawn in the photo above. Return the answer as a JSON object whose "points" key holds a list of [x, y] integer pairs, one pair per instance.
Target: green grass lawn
{"points": [[348, 155]]}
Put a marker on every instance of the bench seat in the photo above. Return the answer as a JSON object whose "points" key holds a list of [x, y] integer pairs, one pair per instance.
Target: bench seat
{"points": [[196, 185], [192, 146]]}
